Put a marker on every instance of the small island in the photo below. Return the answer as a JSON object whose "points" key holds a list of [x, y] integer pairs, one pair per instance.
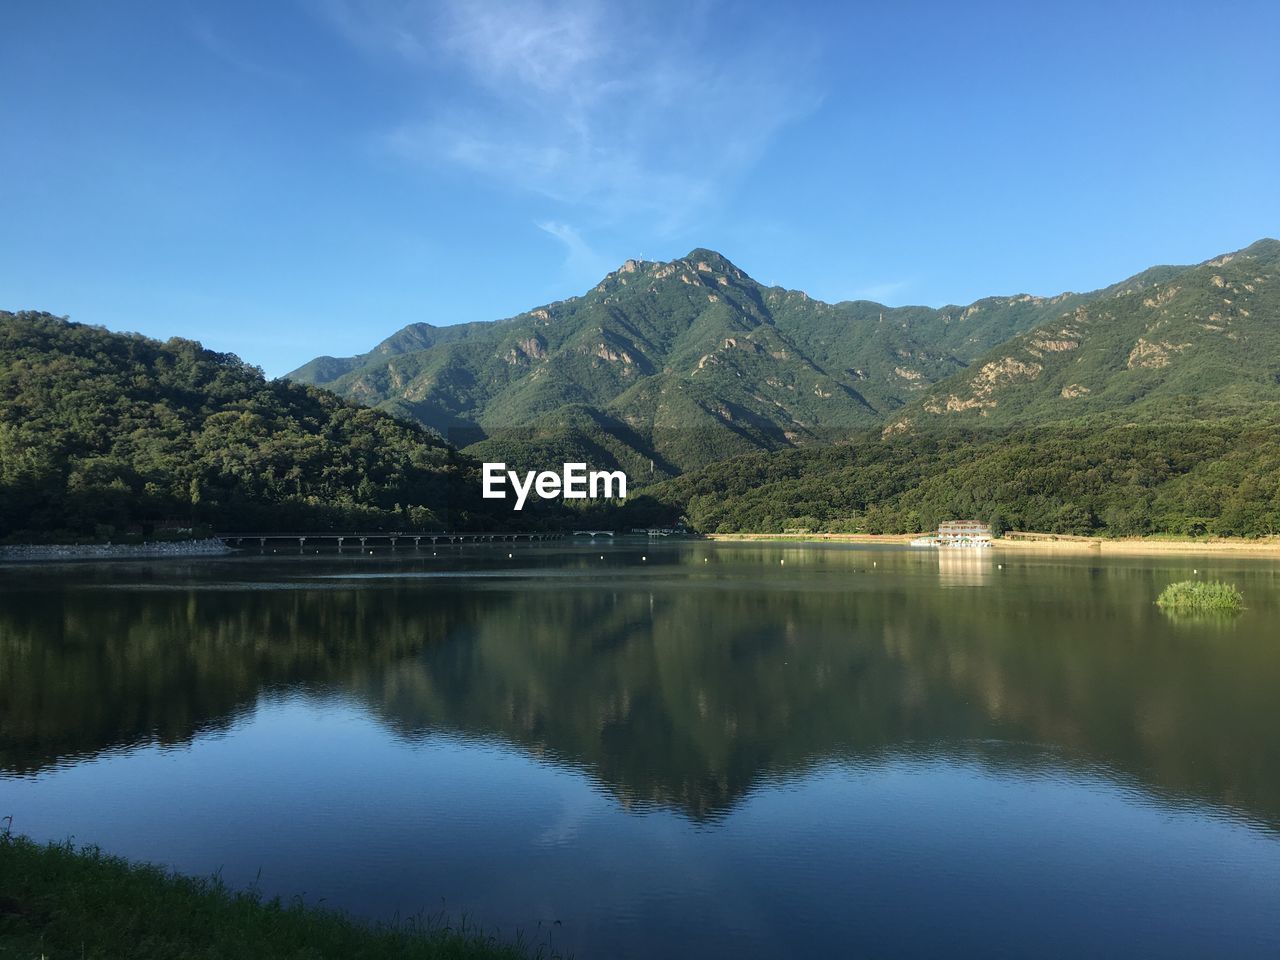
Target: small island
{"points": [[1199, 596]]}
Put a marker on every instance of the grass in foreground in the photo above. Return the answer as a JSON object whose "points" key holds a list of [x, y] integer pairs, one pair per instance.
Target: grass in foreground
{"points": [[57, 901], [1199, 596]]}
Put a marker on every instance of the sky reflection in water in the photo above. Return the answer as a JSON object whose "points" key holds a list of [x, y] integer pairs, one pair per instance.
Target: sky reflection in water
{"points": [[859, 749]]}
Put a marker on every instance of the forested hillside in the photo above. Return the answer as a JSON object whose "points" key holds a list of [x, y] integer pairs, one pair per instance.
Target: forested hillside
{"points": [[1211, 331], [1191, 473], [105, 434]]}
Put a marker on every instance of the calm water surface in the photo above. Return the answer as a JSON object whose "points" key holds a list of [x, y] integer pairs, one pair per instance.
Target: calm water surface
{"points": [[708, 752]]}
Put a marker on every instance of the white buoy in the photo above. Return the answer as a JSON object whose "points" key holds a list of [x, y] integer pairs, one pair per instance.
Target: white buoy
{"points": [[508, 556], [644, 558]]}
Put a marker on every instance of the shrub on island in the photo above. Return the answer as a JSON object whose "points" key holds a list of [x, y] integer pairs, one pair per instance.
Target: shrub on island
{"points": [[1196, 596]]}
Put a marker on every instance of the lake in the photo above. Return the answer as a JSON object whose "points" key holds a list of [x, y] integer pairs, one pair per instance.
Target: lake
{"points": [[671, 749]]}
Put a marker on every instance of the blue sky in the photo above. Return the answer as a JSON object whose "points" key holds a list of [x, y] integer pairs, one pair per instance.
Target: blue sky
{"points": [[285, 179]]}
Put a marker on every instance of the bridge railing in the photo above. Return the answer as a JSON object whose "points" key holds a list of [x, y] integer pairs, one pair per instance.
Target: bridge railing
{"points": [[388, 536]]}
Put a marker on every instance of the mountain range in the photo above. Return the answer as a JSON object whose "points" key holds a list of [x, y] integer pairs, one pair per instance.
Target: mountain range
{"points": [[1209, 332], [668, 366], [1150, 406]]}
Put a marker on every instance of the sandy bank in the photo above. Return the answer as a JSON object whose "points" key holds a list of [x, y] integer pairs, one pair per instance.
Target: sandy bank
{"points": [[1044, 543], [899, 538], [1131, 546]]}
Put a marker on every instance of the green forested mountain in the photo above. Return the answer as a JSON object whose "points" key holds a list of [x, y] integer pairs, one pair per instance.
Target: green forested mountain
{"points": [[105, 434], [1151, 408], [1146, 407], [1211, 332], [668, 366]]}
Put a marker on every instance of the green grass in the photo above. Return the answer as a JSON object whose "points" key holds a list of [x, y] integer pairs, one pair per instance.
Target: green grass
{"points": [[58, 901], [1195, 596]]}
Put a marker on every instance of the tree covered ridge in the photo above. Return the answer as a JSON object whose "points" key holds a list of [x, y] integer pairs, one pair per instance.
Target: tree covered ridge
{"points": [[105, 434], [1197, 472], [682, 363], [1211, 331]]}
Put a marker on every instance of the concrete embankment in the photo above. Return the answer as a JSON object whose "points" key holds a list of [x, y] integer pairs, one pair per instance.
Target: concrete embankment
{"points": [[32, 552]]}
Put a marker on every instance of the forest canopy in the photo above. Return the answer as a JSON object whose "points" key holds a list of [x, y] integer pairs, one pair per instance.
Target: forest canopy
{"points": [[105, 434], [1178, 476]]}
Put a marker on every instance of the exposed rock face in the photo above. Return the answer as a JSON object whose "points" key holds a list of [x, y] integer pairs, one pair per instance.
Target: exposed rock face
{"points": [[992, 376], [530, 348], [954, 404], [1041, 345], [915, 379], [1162, 298], [1153, 355], [1073, 390], [605, 352]]}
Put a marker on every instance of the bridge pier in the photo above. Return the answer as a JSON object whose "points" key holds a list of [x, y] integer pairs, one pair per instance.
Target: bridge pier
{"points": [[459, 538]]}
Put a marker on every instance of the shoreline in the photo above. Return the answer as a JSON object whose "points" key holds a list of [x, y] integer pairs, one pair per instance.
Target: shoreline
{"points": [[45, 552], [64, 900], [1037, 543], [889, 538]]}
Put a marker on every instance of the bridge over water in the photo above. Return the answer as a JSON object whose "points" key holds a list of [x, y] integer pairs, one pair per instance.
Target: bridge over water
{"points": [[392, 539]]}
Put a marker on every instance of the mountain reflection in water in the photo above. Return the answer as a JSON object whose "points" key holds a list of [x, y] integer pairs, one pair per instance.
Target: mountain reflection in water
{"points": [[671, 681]]}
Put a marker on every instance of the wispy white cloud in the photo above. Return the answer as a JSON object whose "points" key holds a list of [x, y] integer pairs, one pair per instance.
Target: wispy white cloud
{"points": [[582, 262], [619, 110], [219, 47]]}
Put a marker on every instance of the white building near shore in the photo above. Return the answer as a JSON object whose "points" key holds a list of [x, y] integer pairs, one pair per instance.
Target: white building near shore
{"points": [[957, 533]]}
